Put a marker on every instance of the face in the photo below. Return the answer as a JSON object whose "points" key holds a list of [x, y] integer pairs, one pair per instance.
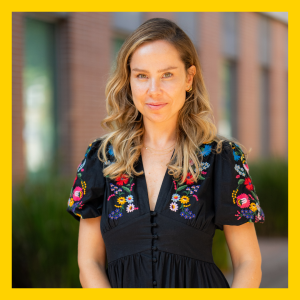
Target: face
{"points": [[159, 81]]}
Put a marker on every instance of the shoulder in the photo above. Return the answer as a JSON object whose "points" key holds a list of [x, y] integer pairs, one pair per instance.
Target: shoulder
{"points": [[215, 148]]}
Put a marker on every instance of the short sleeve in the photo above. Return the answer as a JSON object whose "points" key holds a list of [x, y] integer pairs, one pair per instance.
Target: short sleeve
{"points": [[235, 198], [87, 192]]}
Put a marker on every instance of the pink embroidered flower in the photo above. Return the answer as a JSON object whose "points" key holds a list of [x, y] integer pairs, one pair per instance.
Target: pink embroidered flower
{"points": [[243, 201], [77, 193], [237, 176], [248, 184], [246, 168], [191, 162], [174, 206]]}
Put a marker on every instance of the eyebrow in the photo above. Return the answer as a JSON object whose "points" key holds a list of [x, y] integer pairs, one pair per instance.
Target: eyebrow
{"points": [[159, 71]]}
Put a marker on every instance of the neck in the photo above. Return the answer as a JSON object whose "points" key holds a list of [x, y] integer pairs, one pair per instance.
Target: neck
{"points": [[160, 135]]}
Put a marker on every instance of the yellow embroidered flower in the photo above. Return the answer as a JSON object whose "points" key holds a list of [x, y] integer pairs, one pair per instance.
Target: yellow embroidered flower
{"points": [[253, 207], [78, 215], [121, 200], [71, 202], [83, 184], [234, 195], [184, 199]]}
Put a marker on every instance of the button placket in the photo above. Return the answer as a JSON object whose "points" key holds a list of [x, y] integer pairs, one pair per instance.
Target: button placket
{"points": [[153, 247]]}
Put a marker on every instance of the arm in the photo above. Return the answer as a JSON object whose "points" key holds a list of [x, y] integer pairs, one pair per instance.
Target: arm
{"points": [[245, 254], [91, 255]]}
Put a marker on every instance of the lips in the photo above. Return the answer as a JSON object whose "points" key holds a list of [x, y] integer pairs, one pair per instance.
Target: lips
{"points": [[156, 103], [156, 106]]}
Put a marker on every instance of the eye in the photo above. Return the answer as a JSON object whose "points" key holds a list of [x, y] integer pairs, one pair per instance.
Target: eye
{"points": [[169, 74], [141, 75]]}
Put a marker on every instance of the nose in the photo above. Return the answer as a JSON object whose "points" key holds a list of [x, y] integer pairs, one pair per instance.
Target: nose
{"points": [[154, 87]]}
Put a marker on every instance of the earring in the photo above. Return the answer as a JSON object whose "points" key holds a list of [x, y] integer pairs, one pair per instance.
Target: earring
{"points": [[190, 89]]}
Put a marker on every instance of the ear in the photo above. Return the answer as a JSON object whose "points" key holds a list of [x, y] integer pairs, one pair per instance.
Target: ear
{"points": [[191, 73]]}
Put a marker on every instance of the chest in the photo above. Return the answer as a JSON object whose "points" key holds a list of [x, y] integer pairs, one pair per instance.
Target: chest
{"points": [[155, 169]]}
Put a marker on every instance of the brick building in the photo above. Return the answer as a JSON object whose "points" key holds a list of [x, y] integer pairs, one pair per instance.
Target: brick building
{"points": [[61, 62]]}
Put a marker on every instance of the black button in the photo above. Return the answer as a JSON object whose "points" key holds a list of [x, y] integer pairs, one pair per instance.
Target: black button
{"points": [[154, 282], [154, 248], [153, 213], [153, 224], [154, 236], [154, 259]]}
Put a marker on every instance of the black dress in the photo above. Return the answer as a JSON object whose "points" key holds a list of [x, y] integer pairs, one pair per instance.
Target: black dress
{"points": [[170, 247]]}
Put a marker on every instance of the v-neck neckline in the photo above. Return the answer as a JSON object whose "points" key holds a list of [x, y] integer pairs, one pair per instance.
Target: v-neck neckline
{"points": [[164, 188]]}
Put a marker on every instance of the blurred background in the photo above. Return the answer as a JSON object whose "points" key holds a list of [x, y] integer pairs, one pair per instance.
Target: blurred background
{"points": [[60, 64]]}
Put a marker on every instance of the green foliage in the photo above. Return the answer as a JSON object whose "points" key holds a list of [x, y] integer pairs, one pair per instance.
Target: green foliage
{"points": [[220, 251], [270, 178], [44, 237]]}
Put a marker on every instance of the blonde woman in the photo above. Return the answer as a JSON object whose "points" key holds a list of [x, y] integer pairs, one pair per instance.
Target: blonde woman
{"points": [[151, 193]]}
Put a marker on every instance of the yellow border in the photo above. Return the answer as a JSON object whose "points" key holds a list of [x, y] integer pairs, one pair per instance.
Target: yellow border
{"points": [[154, 5]]}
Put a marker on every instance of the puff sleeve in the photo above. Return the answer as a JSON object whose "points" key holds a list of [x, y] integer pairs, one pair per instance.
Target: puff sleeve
{"points": [[235, 198], [87, 193]]}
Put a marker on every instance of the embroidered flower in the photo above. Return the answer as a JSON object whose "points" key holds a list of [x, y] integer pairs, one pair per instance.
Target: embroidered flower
{"points": [[235, 156], [77, 193], [243, 201], [253, 207], [130, 208], [175, 197], [248, 184], [239, 170], [184, 199], [81, 166], [111, 150], [206, 150], [121, 200], [129, 199], [70, 202], [189, 178], [204, 165], [123, 179], [174, 206], [246, 168]]}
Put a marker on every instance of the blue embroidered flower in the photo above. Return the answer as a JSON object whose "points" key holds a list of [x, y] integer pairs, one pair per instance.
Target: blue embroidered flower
{"points": [[110, 150], [206, 150], [236, 157], [175, 197]]}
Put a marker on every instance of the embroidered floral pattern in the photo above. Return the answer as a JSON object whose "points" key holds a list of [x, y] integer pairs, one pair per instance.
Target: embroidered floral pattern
{"points": [[249, 202], [125, 202], [77, 192], [188, 188]]}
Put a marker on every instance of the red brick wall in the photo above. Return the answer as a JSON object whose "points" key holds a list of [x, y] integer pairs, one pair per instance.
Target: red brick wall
{"points": [[89, 64], [18, 158], [248, 84], [210, 57], [278, 90]]}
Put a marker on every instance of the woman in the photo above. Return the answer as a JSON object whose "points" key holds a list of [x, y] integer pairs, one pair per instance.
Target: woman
{"points": [[151, 193]]}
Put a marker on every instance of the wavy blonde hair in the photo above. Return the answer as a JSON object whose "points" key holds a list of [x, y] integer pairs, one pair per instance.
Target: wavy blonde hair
{"points": [[195, 124]]}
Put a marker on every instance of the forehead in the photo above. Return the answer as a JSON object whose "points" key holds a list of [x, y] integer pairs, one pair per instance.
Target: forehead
{"points": [[155, 51]]}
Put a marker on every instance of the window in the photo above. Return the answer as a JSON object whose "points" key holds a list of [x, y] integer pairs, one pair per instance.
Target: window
{"points": [[188, 22], [265, 111], [39, 92], [228, 116], [230, 34]]}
